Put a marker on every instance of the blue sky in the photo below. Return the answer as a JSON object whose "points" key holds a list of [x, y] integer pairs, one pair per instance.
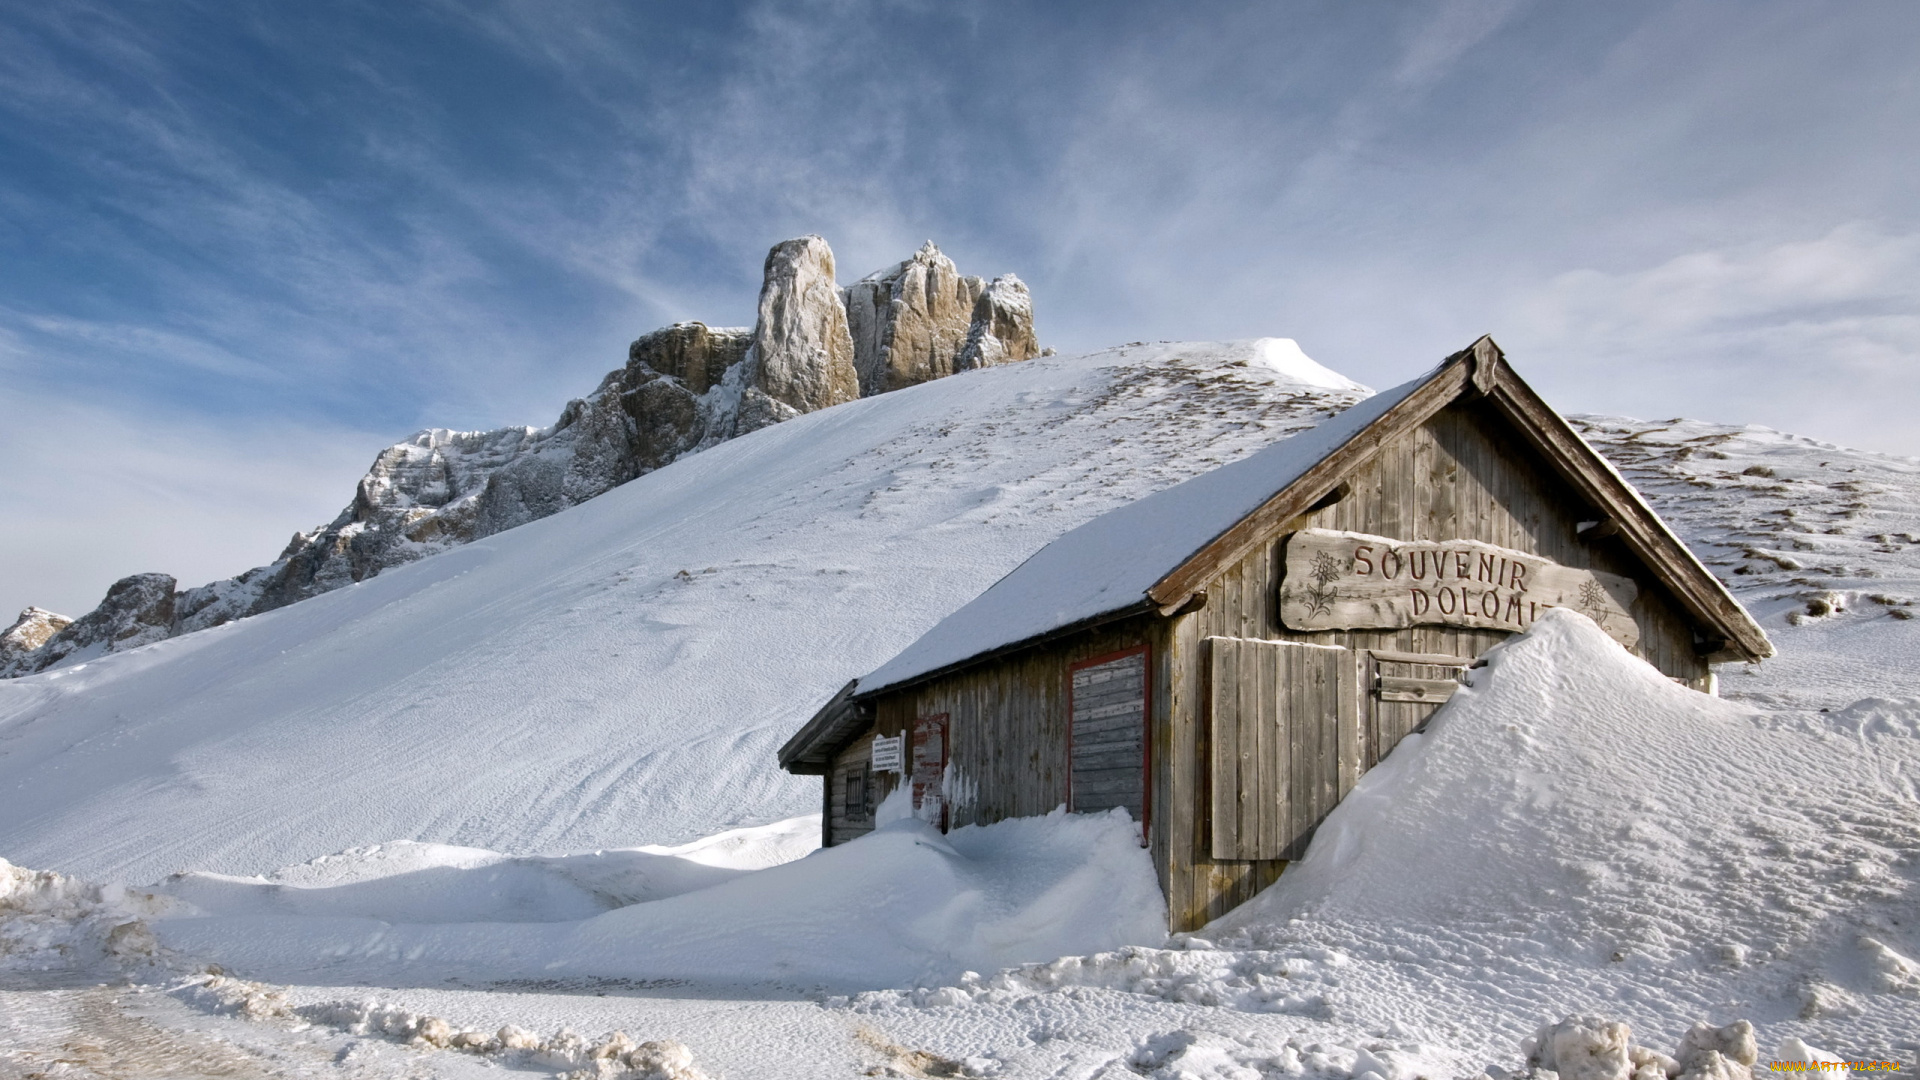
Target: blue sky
{"points": [[245, 245]]}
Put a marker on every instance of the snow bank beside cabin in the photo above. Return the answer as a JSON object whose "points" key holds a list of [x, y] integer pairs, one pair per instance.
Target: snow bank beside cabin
{"points": [[901, 906], [411, 882], [1577, 834]]}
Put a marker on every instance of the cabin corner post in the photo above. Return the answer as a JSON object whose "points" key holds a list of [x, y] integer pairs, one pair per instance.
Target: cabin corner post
{"points": [[1160, 743], [1178, 770], [826, 809]]}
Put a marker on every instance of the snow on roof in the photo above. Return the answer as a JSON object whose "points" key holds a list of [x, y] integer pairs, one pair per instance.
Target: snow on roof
{"points": [[1108, 564]]}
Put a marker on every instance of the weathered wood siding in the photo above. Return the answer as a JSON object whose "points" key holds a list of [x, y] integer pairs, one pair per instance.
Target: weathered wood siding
{"points": [[1278, 754], [1008, 721], [1449, 479], [1401, 692], [846, 819]]}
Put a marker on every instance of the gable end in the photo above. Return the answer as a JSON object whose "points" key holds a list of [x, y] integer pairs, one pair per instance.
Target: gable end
{"points": [[1481, 372]]}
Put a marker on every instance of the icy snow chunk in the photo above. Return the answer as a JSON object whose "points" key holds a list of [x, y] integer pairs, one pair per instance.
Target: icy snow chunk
{"points": [[52, 922], [1583, 1048], [1718, 1053], [1894, 970], [1590, 1048]]}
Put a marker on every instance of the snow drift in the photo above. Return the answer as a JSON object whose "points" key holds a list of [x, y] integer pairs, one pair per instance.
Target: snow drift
{"points": [[901, 906], [412, 882], [1576, 824], [1574, 835]]}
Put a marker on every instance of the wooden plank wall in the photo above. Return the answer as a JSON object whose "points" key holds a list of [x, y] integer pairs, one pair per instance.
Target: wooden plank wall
{"points": [[1008, 722], [842, 827], [1388, 717], [1275, 708], [1450, 479], [1108, 744]]}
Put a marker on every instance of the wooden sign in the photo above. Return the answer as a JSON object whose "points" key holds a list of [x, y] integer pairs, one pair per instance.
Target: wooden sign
{"points": [[1351, 581], [887, 753]]}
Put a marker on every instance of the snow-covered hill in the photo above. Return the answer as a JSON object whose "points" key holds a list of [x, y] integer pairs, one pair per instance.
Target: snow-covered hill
{"points": [[1573, 834], [1822, 543], [622, 672]]}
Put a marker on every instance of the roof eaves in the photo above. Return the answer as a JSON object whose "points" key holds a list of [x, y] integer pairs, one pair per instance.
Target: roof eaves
{"points": [[1125, 611], [806, 753]]}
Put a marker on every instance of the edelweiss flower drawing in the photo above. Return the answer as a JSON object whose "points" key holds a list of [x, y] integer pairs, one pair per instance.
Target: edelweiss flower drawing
{"points": [[1593, 602], [1320, 596]]}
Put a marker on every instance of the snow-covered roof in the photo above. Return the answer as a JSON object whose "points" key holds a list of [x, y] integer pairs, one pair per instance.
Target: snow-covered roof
{"points": [[1108, 564]]}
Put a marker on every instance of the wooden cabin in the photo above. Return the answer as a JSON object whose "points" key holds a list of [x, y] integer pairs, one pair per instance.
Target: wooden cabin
{"points": [[1224, 658]]}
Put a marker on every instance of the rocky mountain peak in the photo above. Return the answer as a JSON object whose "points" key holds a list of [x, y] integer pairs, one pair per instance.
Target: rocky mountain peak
{"points": [[693, 352], [684, 387], [912, 321], [1002, 327], [802, 354]]}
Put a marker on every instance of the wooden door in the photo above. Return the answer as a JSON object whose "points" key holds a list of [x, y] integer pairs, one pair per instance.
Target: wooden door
{"points": [[929, 769], [1107, 742], [1284, 743], [1404, 691]]}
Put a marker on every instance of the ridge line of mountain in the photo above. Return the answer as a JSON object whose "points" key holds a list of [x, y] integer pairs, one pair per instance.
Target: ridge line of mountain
{"points": [[684, 388]]}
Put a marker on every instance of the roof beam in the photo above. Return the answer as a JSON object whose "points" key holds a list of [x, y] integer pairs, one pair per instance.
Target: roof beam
{"points": [[1635, 522], [1301, 496]]}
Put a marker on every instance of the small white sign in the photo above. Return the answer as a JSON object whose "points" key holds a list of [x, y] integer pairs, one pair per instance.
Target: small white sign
{"points": [[887, 753]]}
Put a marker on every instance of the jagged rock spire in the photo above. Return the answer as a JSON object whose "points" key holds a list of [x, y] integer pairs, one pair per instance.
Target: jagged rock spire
{"points": [[802, 355]]}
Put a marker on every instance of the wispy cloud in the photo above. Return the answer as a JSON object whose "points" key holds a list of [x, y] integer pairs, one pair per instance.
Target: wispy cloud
{"points": [[1450, 29], [1816, 334], [92, 494]]}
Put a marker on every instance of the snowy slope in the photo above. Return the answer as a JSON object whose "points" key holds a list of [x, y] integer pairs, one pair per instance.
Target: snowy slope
{"points": [[623, 672], [1820, 542]]}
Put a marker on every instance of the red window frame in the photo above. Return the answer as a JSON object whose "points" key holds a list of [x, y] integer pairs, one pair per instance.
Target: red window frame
{"points": [[1146, 736]]}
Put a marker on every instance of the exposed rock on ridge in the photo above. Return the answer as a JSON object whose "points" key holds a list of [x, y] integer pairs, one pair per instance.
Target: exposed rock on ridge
{"points": [[30, 631], [684, 388], [1002, 327], [921, 319], [138, 610], [669, 400], [910, 321]]}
